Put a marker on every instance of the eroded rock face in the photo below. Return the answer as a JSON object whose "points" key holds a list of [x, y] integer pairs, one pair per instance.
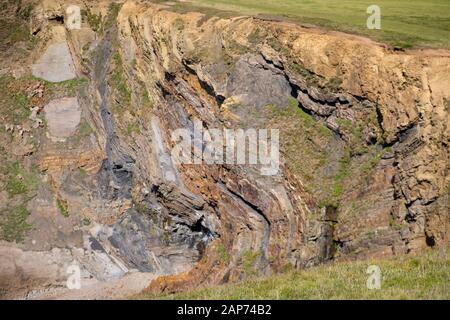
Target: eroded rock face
{"points": [[371, 100], [254, 82], [364, 149]]}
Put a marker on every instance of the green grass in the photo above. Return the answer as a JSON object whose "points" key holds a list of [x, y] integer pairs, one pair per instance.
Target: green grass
{"points": [[404, 23], [114, 10], [85, 130], [10, 34], [132, 128], [63, 207], [310, 149], [94, 20], [223, 254], [68, 87], [249, 260], [14, 224], [20, 180], [119, 81], [13, 102], [423, 276]]}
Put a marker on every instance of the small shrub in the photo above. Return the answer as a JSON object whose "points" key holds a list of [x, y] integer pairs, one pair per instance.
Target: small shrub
{"points": [[63, 207], [334, 84]]}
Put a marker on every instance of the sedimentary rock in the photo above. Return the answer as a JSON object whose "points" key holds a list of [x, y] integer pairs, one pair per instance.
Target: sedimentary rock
{"points": [[364, 148]]}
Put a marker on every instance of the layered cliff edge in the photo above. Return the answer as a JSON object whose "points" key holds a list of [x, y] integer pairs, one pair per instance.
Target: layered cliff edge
{"points": [[363, 136]]}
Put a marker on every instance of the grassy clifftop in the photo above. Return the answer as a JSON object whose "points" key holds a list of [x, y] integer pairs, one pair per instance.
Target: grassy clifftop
{"points": [[424, 276], [404, 23]]}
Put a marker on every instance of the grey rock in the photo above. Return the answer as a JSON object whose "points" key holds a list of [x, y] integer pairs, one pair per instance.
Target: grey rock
{"points": [[258, 84], [63, 116], [56, 64]]}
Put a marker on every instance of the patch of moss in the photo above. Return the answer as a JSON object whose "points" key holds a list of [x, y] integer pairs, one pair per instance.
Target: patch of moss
{"points": [[249, 259], [354, 133], [310, 149], [114, 10], [63, 207], [68, 87], [334, 84], [86, 221], [178, 24], [118, 80], [237, 48], [14, 104], [94, 20], [85, 130], [146, 101], [334, 198], [20, 181], [224, 256], [311, 78], [15, 186], [257, 36], [82, 172], [277, 46], [374, 158], [132, 128], [14, 225], [394, 224]]}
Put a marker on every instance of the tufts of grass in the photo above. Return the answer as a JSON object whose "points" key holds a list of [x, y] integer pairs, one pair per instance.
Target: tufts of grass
{"points": [[114, 10], [12, 32], [94, 20], [132, 128], [63, 207], [14, 104], [422, 276], [14, 225], [311, 79], [85, 130], [334, 84], [311, 150], [86, 222], [373, 160], [249, 260], [20, 181], [146, 100], [224, 256], [118, 80], [68, 87]]}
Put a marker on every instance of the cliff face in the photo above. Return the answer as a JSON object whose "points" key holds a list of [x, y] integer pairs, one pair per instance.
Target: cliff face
{"points": [[363, 139]]}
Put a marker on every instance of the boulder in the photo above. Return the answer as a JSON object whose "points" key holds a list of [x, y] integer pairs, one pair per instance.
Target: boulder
{"points": [[63, 116], [56, 64]]}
